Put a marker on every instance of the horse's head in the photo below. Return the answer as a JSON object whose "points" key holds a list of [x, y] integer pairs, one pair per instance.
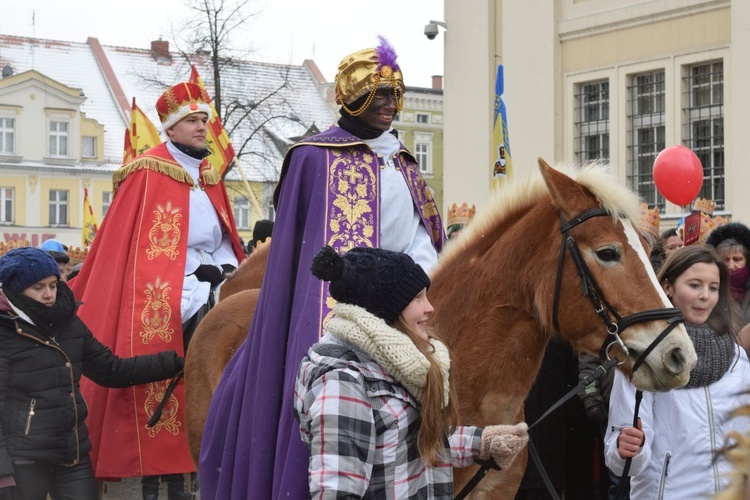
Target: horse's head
{"points": [[622, 282]]}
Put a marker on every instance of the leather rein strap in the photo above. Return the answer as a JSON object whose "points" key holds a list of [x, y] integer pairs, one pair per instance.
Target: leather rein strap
{"points": [[614, 324]]}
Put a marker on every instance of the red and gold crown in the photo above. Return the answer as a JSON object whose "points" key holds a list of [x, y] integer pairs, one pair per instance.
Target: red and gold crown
{"points": [[458, 217], [181, 100], [704, 205], [78, 254], [7, 247], [650, 219]]}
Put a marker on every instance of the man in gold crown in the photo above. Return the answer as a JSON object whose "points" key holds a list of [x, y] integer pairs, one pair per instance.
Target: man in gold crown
{"points": [[354, 185], [167, 239]]}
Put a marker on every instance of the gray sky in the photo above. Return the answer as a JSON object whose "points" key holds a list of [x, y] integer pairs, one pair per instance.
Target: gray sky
{"points": [[285, 31]]}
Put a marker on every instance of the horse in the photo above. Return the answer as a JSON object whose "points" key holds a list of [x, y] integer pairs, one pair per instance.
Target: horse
{"points": [[217, 338], [498, 299]]}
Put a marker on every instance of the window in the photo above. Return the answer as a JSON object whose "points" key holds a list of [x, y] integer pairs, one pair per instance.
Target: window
{"points": [[422, 153], [242, 212], [58, 207], [6, 205], [703, 129], [647, 133], [58, 139], [106, 202], [88, 147], [592, 121], [7, 135], [423, 118]]}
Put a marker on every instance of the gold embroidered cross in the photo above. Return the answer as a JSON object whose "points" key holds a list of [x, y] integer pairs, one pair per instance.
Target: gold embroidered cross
{"points": [[352, 173]]}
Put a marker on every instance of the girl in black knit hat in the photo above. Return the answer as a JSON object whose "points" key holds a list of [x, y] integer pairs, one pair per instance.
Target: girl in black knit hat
{"points": [[374, 397], [44, 350]]}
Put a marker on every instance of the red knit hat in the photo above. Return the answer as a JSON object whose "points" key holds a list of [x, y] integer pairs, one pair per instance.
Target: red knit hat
{"points": [[181, 100]]}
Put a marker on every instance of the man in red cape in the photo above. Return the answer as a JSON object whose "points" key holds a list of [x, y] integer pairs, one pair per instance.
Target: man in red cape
{"points": [[166, 242]]}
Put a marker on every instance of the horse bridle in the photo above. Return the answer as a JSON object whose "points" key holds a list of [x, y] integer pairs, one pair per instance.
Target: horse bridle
{"points": [[613, 322]]}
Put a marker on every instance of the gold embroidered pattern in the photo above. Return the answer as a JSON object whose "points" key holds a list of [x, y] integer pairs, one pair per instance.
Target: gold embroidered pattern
{"points": [[165, 234], [352, 185], [168, 421], [157, 312], [224, 216], [424, 199]]}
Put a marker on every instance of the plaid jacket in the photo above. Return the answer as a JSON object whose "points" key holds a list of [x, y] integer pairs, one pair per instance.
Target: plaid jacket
{"points": [[361, 426]]}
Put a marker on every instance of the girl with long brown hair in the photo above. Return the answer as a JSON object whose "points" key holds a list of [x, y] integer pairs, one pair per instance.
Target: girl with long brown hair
{"points": [[674, 447], [374, 397]]}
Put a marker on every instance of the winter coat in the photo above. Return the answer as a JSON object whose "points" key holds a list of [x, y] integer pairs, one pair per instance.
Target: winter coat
{"points": [[370, 423], [684, 429], [42, 411]]}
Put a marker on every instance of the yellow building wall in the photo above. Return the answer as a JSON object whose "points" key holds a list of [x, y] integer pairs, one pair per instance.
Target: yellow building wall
{"points": [[92, 128], [18, 183], [238, 189], [680, 35]]}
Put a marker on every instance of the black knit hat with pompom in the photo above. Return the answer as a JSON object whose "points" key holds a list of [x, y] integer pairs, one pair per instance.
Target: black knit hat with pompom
{"points": [[380, 281]]}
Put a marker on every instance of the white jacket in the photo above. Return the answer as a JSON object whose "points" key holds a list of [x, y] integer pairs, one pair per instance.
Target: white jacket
{"points": [[684, 428]]}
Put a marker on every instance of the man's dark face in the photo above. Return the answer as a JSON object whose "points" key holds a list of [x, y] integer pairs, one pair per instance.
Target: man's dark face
{"points": [[381, 111]]}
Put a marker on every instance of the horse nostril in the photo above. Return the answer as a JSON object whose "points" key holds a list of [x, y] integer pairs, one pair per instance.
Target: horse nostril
{"points": [[676, 360]]}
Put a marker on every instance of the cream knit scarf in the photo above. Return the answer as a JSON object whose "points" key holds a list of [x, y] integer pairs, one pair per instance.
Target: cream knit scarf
{"points": [[390, 348]]}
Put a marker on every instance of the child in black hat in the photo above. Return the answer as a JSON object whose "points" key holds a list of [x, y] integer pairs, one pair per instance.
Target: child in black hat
{"points": [[374, 398], [44, 350]]}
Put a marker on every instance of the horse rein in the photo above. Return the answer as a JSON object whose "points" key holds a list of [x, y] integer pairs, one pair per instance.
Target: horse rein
{"points": [[614, 324]]}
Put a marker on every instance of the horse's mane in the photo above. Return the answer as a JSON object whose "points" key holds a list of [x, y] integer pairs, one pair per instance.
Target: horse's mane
{"points": [[523, 192]]}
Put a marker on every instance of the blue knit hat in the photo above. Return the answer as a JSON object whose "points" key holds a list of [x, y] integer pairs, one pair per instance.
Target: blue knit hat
{"points": [[22, 267], [381, 281]]}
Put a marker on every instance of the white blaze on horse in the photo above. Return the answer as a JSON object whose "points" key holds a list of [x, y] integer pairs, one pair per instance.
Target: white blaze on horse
{"points": [[498, 297]]}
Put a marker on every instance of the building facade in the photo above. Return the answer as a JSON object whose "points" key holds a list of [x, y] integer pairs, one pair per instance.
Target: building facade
{"points": [[420, 128], [586, 80], [64, 108]]}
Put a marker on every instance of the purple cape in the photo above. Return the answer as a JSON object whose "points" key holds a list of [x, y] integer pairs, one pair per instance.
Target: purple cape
{"points": [[329, 195]]}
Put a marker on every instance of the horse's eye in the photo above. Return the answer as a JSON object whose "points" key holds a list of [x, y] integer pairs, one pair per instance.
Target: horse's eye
{"points": [[608, 255]]}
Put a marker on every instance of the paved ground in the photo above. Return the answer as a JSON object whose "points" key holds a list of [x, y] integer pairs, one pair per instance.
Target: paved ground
{"points": [[130, 489]]}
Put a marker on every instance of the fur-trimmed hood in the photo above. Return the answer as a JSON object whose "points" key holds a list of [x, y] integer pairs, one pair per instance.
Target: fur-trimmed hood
{"points": [[735, 230]]}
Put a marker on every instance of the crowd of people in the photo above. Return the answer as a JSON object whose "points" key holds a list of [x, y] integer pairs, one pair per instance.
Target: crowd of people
{"points": [[355, 389]]}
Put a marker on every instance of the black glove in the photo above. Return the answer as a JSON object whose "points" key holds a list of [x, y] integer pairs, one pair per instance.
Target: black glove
{"points": [[228, 269], [179, 363], [597, 412], [210, 274]]}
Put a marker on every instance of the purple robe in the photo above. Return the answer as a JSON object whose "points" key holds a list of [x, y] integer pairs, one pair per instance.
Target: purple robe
{"points": [[328, 194]]}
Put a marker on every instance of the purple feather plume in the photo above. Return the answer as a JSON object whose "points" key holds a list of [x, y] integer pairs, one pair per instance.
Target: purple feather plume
{"points": [[386, 54]]}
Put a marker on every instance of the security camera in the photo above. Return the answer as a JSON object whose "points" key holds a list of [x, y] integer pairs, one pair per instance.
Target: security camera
{"points": [[431, 31]]}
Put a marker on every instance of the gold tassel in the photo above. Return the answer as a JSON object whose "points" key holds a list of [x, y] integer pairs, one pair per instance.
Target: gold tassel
{"points": [[174, 171], [210, 176]]}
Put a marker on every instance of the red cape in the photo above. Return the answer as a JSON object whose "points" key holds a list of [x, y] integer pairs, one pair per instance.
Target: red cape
{"points": [[131, 286]]}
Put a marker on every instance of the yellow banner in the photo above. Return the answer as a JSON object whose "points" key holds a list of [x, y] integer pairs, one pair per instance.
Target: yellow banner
{"points": [[89, 221], [217, 139], [141, 136]]}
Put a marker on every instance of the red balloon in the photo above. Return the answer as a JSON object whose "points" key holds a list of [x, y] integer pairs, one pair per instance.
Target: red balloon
{"points": [[678, 174]]}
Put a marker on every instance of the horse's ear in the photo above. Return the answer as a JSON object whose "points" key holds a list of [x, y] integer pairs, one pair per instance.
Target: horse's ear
{"points": [[565, 192]]}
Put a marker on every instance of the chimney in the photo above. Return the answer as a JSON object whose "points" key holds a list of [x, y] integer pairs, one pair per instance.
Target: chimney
{"points": [[437, 82], [160, 49]]}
